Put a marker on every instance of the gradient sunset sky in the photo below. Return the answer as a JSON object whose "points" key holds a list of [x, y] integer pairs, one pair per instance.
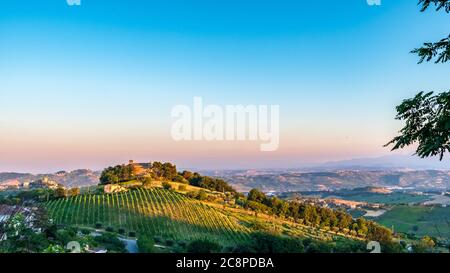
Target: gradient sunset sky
{"points": [[93, 85]]}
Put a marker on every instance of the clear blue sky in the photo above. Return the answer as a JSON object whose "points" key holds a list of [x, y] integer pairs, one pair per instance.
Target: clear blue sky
{"points": [[89, 85]]}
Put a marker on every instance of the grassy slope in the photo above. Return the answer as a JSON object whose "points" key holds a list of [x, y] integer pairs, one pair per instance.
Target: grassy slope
{"points": [[393, 198], [434, 221], [154, 212], [171, 215]]}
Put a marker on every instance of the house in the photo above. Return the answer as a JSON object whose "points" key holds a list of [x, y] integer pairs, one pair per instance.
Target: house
{"points": [[10, 184], [44, 183], [114, 188]]}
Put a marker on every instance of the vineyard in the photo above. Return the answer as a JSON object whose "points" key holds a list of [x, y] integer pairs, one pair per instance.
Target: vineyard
{"points": [[154, 212]]}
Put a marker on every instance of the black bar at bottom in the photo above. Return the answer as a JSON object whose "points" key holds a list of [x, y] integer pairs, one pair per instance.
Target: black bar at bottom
{"points": [[223, 262]]}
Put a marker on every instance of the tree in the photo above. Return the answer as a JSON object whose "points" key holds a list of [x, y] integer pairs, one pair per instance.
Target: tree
{"points": [[256, 195], [256, 206], [166, 170], [426, 244], [166, 185], [187, 175], [74, 191], [427, 116], [440, 49], [445, 4], [427, 119], [428, 241], [180, 179], [362, 226], [60, 192], [169, 171], [146, 181], [119, 173], [20, 237], [201, 195], [378, 233]]}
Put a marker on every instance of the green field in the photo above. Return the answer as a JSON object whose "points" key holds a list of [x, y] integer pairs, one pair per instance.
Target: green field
{"points": [[171, 215], [389, 199], [419, 220], [155, 212]]}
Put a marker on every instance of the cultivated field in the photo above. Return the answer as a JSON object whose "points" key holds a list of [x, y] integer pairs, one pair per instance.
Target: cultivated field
{"points": [[155, 212], [389, 199], [172, 215], [420, 220]]}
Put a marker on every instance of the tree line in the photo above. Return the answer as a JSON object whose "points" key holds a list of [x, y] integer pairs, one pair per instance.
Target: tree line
{"points": [[164, 172], [311, 215]]}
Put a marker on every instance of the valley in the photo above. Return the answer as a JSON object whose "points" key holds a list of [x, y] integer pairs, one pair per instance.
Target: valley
{"points": [[152, 207]]}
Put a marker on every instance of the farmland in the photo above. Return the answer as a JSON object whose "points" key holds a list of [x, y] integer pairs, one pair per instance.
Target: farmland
{"points": [[171, 215], [419, 220], [392, 198], [367, 195], [154, 212]]}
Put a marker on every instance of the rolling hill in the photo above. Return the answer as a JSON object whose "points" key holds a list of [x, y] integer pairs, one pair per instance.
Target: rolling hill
{"points": [[419, 220], [171, 215], [155, 212], [284, 181]]}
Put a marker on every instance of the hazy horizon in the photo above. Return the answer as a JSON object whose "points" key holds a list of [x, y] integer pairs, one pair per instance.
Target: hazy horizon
{"points": [[384, 162]]}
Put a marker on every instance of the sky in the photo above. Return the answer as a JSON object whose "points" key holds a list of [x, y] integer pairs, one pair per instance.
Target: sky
{"points": [[93, 85]]}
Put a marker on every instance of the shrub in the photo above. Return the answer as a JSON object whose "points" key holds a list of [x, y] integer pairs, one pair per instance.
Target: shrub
{"points": [[157, 239], [183, 244], [166, 185], [169, 242], [132, 234], [267, 243], [110, 229], [203, 246], [180, 179], [201, 195], [191, 194], [229, 249], [98, 225], [111, 242], [318, 247], [121, 231], [145, 180], [85, 231], [145, 245]]}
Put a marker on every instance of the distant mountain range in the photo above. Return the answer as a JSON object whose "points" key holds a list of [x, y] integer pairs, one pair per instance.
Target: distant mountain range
{"points": [[284, 181], [76, 178], [400, 162], [388, 171]]}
